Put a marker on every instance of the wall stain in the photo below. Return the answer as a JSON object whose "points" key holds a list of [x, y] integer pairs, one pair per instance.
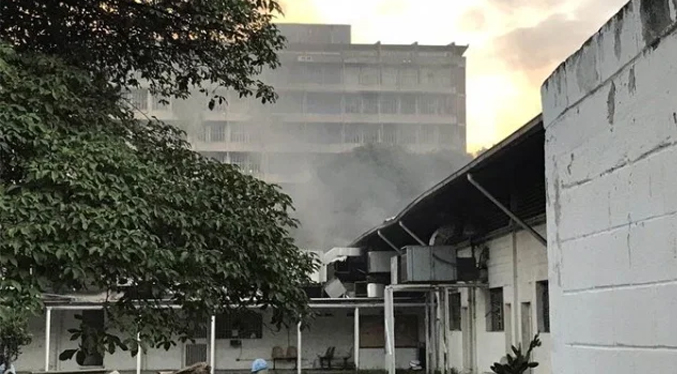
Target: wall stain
{"points": [[655, 17], [570, 164], [611, 104], [632, 80], [618, 27]]}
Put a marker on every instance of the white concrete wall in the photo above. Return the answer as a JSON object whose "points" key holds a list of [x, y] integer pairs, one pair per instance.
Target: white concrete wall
{"points": [[334, 330], [611, 129], [530, 266]]}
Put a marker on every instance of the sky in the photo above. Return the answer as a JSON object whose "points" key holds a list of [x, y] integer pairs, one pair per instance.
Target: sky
{"points": [[514, 45]]}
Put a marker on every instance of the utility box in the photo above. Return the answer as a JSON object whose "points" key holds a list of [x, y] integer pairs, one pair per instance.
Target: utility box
{"points": [[426, 264], [379, 261]]}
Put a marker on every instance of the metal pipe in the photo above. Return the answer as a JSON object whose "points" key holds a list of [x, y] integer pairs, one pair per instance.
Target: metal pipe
{"points": [[356, 342], [212, 345], [411, 233], [312, 305], [138, 353], [507, 211], [300, 348], [388, 242], [48, 333], [432, 287], [365, 305]]}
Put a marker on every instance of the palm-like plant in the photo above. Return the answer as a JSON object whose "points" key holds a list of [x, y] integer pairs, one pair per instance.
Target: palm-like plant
{"points": [[521, 362]]}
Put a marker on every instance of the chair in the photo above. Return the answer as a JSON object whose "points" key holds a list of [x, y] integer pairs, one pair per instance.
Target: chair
{"points": [[277, 354], [292, 355], [327, 357], [346, 356]]}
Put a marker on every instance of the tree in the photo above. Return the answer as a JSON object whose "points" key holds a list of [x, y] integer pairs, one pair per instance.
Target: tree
{"points": [[352, 191], [108, 200], [174, 45]]}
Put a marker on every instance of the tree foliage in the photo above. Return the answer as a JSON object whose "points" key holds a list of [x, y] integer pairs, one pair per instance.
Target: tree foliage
{"points": [[91, 198], [174, 45], [352, 191], [521, 362]]}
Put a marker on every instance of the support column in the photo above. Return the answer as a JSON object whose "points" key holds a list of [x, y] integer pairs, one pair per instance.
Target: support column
{"points": [[389, 324], [212, 345], [48, 333], [138, 354], [299, 349], [428, 337], [356, 343]]}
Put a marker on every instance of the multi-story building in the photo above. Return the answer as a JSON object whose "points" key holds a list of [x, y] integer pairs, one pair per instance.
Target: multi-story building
{"points": [[333, 96]]}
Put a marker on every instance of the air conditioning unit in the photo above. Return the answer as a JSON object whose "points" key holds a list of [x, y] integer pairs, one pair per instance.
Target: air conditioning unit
{"points": [[194, 354], [379, 262], [425, 264]]}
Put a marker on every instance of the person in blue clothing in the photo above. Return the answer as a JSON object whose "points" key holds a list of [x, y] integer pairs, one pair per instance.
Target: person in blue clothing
{"points": [[259, 366]]}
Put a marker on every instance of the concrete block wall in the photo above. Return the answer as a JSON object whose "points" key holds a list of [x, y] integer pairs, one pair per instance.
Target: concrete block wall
{"points": [[610, 113], [516, 262]]}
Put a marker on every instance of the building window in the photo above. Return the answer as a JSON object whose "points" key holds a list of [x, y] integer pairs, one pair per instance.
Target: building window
{"points": [[408, 104], [138, 98], [202, 134], [389, 76], [323, 133], [249, 163], [495, 310], [543, 304], [332, 74], [158, 103], [93, 324], [369, 76], [406, 134], [371, 133], [323, 103], [240, 324], [353, 104], [369, 104], [427, 134], [239, 133], [388, 104], [428, 104], [449, 134], [407, 77], [444, 77], [217, 132], [353, 134], [428, 77], [455, 311], [389, 133]]}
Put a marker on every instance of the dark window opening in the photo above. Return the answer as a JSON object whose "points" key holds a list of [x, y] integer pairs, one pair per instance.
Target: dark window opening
{"points": [[495, 310], [455, 311]]}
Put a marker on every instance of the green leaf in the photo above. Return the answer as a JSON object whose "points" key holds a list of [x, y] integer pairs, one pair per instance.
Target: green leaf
{"points": [[67, 354]]}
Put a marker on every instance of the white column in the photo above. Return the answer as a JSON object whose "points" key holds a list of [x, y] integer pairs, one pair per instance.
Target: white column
{"points": [[356, 343], [389, 330], [212, 345], [428, 348], [138, 354], [48, 333], [299, 348]]}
